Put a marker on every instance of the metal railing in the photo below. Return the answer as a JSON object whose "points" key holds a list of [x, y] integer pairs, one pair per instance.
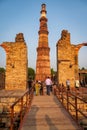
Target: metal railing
{"points": [[73, 103], [19, 108]]}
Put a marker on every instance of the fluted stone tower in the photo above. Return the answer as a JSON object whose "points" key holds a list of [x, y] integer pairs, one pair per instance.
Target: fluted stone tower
{"points": [[43, 50]]}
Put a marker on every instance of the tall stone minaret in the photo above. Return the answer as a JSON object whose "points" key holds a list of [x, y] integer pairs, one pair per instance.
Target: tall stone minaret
{"points": [[43, 59]]}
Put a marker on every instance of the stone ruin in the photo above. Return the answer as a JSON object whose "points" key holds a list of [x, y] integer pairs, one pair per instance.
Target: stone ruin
{"points": [[16, 63], [15, 78], [67, 59]]}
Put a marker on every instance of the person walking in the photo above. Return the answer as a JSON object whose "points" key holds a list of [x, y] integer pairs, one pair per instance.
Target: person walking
{"points": [[77, 84], [48, 83], [37, 87], [68, 84], [30, 84], [41, 87]]}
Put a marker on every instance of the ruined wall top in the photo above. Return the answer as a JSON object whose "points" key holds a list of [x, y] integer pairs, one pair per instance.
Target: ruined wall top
{"points": [[65, 35], [19, 37]]}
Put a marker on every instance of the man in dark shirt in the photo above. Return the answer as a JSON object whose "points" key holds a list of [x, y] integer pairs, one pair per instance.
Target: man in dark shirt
{"points": [[29, 83]]}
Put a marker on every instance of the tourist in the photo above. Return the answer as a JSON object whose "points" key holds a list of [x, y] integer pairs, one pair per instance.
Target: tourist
{"points": [[41, 87], [77, 84], [30, 84], [48, 83], [54, 88], [68, 84], [37, 88]]}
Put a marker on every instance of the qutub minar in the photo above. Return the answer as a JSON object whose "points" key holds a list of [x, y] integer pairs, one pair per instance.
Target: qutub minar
{"points": [[43, 57]]}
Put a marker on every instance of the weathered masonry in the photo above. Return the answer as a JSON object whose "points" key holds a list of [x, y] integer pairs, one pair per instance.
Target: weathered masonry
{"points": [[16, 63], [67, 59]]}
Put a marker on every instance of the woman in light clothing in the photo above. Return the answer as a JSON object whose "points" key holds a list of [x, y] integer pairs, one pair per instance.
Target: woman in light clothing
{"points": [[68, 84], [77, 84]]}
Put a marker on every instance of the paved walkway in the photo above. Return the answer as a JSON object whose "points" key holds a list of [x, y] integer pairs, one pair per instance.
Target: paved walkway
{"points": [[47, 113]]}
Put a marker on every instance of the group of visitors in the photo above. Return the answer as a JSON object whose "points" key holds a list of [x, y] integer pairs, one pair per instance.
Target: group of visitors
{"points": [[39, 86], [77, 84]]}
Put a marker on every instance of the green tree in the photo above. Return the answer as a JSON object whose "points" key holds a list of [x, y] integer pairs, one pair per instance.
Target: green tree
{"points": [[31, 73], [53, 74], [2, 70], [52, 71], [82, 68]]}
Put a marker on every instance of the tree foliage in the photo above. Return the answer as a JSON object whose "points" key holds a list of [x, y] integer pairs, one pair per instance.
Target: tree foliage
{"points": [[31, 73], [83, 68], [2, 70], [53, 74], [52, 71]]}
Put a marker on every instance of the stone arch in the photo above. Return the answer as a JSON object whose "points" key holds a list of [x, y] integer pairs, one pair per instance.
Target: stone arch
{"points": [[16, 63], [82, 73], [2, 65], [82, 46], [2, 57]]}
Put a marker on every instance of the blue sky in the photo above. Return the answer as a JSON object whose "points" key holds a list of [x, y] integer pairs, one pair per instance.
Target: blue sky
{"points": [[23, 16]]}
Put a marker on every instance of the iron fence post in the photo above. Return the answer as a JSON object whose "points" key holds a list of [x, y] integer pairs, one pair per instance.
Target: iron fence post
{"points": [[12, 118], [67, 100], [21, 109], [76, 108]]}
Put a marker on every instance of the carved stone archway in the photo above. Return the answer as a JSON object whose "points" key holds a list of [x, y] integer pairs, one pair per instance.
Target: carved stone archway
{"points": [[16, 63]]}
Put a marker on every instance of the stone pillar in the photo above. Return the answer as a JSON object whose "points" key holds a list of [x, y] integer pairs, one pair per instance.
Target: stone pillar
{"points": [[16, 63], [65, 59]]}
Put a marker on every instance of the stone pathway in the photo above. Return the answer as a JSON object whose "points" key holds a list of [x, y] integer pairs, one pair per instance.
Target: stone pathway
{"points": [[47, 113]]}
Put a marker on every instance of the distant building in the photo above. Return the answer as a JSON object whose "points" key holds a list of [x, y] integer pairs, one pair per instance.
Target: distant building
{"points": [[83, 77]]}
